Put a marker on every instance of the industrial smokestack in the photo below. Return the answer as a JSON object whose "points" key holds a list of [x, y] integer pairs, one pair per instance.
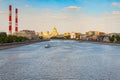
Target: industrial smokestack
{"points": [[16, 20], [10, 19]]}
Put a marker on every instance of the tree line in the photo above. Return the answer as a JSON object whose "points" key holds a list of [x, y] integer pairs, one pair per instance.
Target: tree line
{"points": [[4, 38], [115, 38]]}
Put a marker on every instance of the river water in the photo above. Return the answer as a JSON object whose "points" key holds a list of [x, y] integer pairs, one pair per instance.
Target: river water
{"points": [[64, 60]]}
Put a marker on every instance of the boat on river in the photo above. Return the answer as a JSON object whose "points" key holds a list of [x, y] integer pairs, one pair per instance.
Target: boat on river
{"points": [[47, 46]]}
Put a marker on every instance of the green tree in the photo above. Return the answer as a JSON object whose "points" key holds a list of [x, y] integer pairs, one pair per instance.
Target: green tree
{"points": [[112, 38], [3, 34], [117, 38], [11, 38]]}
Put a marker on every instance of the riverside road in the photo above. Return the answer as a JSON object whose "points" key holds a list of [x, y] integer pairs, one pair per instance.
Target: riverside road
{"points": [[64, 60]]}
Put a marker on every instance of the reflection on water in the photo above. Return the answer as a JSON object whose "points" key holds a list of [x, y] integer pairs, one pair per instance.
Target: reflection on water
{"points": [[64, 60]]}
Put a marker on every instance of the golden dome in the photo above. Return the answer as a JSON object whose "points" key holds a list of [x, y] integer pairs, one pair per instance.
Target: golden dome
{"points": [[54, 32]]}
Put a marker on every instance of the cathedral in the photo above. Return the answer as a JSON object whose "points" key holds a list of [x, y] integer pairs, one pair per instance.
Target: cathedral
{"points": [[54, 32]]}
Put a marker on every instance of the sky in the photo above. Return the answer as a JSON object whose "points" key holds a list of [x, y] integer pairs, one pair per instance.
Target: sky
{"points": [[65, 15]]}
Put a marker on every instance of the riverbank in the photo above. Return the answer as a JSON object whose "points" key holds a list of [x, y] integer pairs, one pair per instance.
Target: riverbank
{"points": [[104, 43], [17, 44], [93, 42]]}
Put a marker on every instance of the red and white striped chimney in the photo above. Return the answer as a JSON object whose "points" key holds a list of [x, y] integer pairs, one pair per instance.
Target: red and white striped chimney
{"points": [[10, 19], [16, 20]]}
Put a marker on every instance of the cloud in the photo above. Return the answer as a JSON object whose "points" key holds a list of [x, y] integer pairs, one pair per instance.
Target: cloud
{"points": [[116, 12], [116, 4], [72, 9]]}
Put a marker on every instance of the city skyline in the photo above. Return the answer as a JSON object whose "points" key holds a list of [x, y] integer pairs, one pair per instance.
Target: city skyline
{"points": [[65, 15]]}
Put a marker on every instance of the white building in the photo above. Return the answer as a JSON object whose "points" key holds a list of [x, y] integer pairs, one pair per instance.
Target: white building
{"points": [[73, 35]]}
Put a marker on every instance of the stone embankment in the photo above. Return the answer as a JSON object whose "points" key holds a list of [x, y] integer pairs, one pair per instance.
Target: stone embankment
{"points": [[17, 44], [98, 42]]}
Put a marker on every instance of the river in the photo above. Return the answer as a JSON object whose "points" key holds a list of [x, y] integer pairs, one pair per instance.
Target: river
{"points": [[64, 60]]}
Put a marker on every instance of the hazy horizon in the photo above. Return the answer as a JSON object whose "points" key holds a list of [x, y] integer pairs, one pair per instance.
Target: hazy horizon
{"points": [[65, 15]]}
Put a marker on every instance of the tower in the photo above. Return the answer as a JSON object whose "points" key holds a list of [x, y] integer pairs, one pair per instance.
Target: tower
{"points": [[10, 19], [16, 20]]}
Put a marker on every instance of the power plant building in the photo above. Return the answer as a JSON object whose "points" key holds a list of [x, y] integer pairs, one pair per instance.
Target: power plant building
{"points": [[28, 34]]}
